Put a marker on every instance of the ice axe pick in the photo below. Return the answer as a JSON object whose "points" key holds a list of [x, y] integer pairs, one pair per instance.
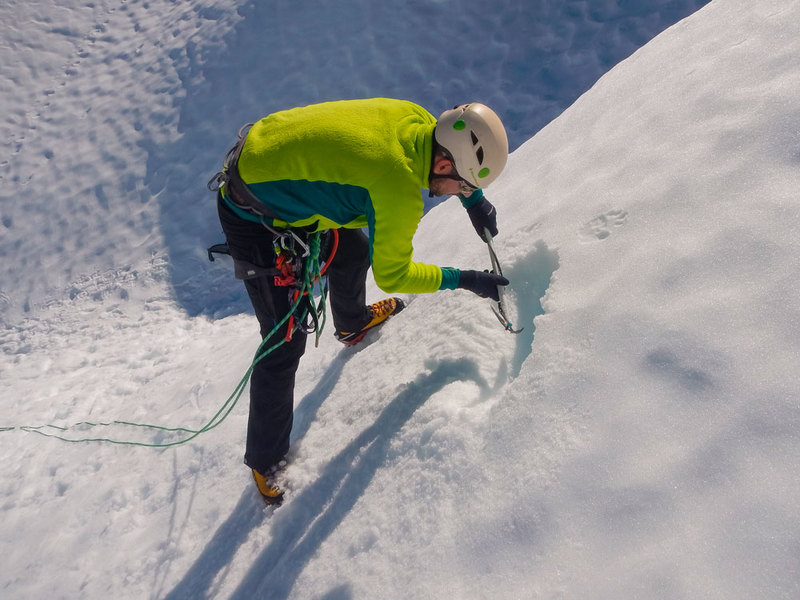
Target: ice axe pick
{"points": [[499, 308]]}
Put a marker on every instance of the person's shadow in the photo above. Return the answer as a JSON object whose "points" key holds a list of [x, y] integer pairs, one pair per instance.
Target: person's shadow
{"points": [[306, 521]]}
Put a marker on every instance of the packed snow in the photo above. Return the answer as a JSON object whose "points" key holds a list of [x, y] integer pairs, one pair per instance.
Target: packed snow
{"points": [[637, 440]]}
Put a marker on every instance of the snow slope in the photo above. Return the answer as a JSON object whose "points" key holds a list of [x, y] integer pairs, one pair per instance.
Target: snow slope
{"points": [[637, 440], [116, 112]]}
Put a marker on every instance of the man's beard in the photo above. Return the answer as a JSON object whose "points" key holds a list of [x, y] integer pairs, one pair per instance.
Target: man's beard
{"points": [[436, 187]]}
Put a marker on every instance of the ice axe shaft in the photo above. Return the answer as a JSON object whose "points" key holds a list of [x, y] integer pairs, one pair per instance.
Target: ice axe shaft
{"points": [[498, 310]]}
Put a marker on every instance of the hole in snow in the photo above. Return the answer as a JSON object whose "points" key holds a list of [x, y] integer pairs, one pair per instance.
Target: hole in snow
{"points": [[530, 278]]}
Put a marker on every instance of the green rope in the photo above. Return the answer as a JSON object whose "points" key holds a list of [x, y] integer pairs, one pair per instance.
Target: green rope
{"points": [[311, 274]]}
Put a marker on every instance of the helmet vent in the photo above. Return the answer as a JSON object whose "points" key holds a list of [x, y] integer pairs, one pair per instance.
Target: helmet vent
{"points": [[474, 137], [479, 155]]}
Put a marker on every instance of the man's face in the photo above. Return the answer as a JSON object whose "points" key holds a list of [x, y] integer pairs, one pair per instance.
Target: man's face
{"points": [[443, 185]]}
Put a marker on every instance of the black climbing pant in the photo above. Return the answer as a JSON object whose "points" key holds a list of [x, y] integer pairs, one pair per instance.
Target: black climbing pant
{"points": [[272, 381]]}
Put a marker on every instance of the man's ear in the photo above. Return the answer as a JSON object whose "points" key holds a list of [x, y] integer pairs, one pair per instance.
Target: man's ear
{"points": [[442, 165]]}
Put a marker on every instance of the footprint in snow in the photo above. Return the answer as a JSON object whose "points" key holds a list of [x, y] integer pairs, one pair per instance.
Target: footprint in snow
{"points": [[601, 226]]}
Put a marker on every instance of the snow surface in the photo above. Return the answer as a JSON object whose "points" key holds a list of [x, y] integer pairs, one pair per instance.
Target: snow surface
{"points": [[638, 440]]}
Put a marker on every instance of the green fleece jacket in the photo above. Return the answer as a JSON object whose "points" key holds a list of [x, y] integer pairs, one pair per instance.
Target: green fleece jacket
{"points": [[351, 163]]}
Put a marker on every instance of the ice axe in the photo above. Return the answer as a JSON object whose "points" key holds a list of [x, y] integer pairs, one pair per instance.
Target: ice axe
{"points": [[499, 309]]}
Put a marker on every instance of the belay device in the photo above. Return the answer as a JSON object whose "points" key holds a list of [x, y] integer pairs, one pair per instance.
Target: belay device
{"points": [[499, 309]]}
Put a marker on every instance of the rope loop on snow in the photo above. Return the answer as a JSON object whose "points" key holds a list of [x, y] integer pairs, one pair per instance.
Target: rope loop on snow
{"points": [[301, 309]]}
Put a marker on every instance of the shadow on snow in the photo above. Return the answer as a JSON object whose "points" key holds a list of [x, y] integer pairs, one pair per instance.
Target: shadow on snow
{"points": [[307, 520]]}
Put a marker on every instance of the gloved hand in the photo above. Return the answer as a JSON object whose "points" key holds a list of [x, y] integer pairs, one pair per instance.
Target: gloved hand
{"points": [[483, 215], [482, 283]]}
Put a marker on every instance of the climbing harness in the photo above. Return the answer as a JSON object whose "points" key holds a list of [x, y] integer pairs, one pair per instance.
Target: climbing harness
{"points": [[293, 253], [499, 308], [229, 183]]}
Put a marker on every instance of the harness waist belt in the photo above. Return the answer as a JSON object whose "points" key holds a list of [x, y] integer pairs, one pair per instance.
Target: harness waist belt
{"points": [[239, 193]]}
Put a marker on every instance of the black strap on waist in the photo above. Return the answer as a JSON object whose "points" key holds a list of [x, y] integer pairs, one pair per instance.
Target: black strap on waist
{"points": [[242, 269], [230, 184]]}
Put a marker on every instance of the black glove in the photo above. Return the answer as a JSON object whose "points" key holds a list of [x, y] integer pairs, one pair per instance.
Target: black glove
{"points": [[482, 283], [483, 215]]}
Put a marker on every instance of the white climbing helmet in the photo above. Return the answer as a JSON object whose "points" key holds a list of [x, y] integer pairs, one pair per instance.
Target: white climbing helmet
{"points": [[475, 138]]}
